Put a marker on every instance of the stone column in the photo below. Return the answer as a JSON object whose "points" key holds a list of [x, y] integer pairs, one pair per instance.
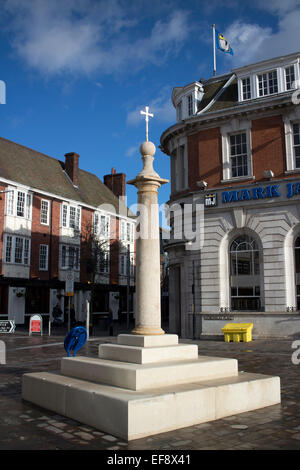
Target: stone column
{"points": [[148, 290]]}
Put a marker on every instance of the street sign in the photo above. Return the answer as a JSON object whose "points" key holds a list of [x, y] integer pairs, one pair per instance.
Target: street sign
{"points": [[35, 324], [7, 326], [69, 288]]}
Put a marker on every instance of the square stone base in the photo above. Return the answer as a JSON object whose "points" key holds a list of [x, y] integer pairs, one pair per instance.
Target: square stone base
{"points": [[132, 415], [146, 385]]}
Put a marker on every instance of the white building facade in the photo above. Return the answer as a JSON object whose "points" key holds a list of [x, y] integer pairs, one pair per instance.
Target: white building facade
{"points": [[238, 157]]}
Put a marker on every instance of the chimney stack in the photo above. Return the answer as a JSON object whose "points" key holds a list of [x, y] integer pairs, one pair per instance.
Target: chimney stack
{"points": [[71, 166], [116, 182]]}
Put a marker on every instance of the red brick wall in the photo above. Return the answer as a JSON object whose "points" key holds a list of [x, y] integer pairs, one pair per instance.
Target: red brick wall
{"points": [[40, 235], [268, 153], [205, 158], [268, 147]]}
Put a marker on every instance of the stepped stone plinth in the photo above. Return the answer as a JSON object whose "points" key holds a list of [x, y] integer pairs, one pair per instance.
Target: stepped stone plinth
{"points": [[148, 383]]}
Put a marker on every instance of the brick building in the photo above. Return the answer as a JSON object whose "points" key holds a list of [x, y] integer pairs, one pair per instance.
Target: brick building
{"points": [[50, 213], [235, 152]]}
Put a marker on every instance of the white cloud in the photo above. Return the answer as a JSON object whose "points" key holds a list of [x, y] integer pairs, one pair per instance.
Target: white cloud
{"points": [[131, 151], [253, 42], [85, 36], [278, 6], [160, 106]]}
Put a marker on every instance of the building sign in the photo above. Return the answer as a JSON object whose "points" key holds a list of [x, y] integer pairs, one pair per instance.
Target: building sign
{"points": [[218, 317], [35, 324], [7, 326], [288, 190], [210, 200]]}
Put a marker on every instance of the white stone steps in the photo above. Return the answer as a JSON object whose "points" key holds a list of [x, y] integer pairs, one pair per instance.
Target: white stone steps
{"points": [[134, 414], [148, 376], [141, 355]]}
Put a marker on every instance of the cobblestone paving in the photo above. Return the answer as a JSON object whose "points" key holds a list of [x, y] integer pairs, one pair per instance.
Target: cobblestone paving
{"points": [[25, 426]]}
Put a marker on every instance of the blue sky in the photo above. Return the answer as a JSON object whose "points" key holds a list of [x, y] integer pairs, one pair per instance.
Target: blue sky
{"points": [[78, 73]]}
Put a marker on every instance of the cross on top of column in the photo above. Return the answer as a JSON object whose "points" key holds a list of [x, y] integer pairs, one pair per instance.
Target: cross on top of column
{"points": [[147, 115]]}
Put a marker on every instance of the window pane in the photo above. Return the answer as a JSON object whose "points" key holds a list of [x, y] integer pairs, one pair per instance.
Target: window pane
{"points": [[10, 202], [64, 215], [8, 248], [289, 77], [18, 250], [72, 217], [43, 257], [44, 212], [20, 204], [26, 251]]}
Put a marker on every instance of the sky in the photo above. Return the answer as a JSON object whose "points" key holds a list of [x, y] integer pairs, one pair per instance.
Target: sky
{"points": [[77, 73]]}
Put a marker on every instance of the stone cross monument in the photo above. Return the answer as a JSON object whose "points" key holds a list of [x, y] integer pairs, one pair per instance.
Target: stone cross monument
{"points": [[148, 290], [147, 382]]}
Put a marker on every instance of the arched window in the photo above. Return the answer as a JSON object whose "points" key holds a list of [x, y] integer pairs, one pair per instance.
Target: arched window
{"points": [[297, 269], [245, 274]]}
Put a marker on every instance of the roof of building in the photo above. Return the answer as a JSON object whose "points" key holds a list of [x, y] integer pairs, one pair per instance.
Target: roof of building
{"points": [[211, 89], [31, 168]]}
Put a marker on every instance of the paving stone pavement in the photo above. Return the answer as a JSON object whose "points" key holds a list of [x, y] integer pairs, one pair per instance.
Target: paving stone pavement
{"points": [[24, 426]]}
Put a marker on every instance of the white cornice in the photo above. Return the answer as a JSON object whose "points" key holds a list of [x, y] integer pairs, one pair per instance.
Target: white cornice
{"points": [[247, 107]]}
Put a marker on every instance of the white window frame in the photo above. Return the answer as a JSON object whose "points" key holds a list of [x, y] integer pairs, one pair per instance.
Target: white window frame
{"points": [[179, 111], [235, 126], [293, 83], [244, 98], [46, 203], [123, 264], [103, 265], [290, 118], [65, 247], [190, 104], [10, 239], [43, 267], [10, 202], [13, 203], [237, 155], [66, 219], [126, 231], [101, 225], [268, 72]]}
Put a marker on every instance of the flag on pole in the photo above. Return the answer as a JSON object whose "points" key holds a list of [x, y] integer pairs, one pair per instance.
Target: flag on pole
{"points": [[222, 43]]}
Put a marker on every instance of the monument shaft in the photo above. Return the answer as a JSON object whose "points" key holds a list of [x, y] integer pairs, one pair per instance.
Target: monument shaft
{"points": [[148, 302]]}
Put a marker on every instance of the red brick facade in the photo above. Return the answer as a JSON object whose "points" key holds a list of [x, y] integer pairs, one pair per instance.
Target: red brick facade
{"points": [[268, 153]]}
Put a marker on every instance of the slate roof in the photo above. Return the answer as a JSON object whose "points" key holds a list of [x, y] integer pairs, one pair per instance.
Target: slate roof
{"points": [[31, 168], [227, 99]]}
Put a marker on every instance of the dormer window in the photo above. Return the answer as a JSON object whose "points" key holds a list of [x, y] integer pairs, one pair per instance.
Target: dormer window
{"points": [[289, 77], [246, 88], [267, 83]]}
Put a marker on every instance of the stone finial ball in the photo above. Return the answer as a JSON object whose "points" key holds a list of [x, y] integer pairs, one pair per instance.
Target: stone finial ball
{"points": [[147, 148]]}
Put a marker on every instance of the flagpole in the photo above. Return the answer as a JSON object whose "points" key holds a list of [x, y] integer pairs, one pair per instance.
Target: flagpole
{"points": [[214, 47]]}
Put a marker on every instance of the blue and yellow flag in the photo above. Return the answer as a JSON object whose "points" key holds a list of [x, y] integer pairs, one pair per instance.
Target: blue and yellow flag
{"points": [[222, 43]]}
